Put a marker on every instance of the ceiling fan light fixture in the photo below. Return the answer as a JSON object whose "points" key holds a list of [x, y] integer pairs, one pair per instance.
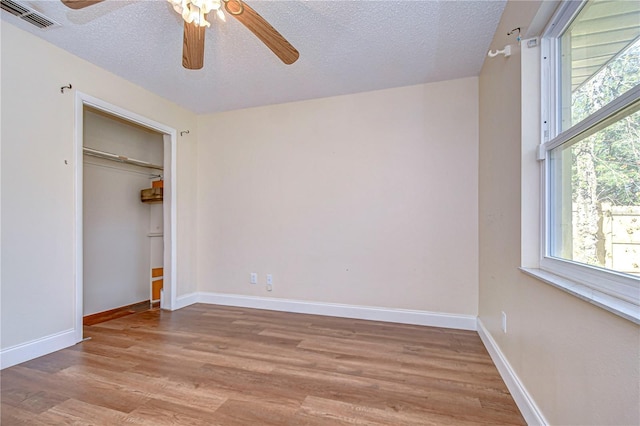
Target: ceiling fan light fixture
{"points": [[194, 11], [221, 15]]}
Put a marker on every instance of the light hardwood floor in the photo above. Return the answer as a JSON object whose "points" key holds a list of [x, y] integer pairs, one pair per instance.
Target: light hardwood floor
{"points": [[213, 365]]}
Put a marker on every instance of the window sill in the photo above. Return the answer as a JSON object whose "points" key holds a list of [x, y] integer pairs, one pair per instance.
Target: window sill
{"points": [[612, 304]]}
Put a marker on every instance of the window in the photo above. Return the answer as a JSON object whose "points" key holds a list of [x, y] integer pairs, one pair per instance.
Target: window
{"points": [[591, 103]]}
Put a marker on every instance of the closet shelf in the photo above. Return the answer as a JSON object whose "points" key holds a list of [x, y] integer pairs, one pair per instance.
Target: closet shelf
{"points": [[119, 158], [153, 194]]}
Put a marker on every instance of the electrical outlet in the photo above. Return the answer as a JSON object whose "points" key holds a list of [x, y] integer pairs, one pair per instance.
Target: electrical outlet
{"points": [[269, 282], [504, 322], [254, 278]]}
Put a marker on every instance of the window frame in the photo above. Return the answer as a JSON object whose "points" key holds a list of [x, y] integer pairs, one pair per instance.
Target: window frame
{"points": [[619, 287]]}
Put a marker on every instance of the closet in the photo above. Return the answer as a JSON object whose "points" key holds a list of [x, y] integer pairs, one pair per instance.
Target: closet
{"points": [[122, 213]]}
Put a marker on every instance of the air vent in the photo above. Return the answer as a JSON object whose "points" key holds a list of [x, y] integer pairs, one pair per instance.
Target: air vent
{"points": [[38, 20], [29, 15], [14, 8]]}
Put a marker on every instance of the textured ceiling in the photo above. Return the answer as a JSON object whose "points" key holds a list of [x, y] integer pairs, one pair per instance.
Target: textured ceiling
{"points": [[345, 47]]}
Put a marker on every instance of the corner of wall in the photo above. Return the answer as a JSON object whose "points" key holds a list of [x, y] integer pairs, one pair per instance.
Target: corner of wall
{"points": [[522, 398]]}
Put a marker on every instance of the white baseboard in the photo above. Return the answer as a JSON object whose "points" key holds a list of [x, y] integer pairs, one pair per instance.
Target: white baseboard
{"points": [[403, 316], [186, 300], [524, 401], [37, 348]]}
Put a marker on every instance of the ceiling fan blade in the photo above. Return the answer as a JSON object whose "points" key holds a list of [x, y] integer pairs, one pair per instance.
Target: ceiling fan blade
{"points": [[193, 47], [79, 4], [263, 30]]}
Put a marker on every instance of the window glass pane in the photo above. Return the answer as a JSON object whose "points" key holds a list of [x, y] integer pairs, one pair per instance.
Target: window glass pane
{"points": [[599, 58], [595, 196]]}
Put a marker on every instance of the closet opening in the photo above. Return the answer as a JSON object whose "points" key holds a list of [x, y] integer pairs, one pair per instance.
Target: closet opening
{"points": [[125, 213]]}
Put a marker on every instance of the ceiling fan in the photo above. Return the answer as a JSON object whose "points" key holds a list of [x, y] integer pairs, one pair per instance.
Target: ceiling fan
{"points": [[194, 14]]}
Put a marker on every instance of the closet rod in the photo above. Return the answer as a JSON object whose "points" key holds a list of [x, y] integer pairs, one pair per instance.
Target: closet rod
{"points": [[135, 172], [119, 158]]}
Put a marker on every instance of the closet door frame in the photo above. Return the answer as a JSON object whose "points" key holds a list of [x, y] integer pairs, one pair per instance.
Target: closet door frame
{"points": [[169, 134]]}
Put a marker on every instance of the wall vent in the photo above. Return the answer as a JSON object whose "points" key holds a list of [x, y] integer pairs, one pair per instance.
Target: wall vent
{"points": [[14, 8], [28, 15]]}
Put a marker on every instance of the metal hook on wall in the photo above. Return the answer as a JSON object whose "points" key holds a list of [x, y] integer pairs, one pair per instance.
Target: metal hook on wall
{"points": [[518, 38], [66, 87], [184, 132]]}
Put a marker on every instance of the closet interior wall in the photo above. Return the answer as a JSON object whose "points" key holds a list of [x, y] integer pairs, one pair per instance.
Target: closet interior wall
{"points": [[122, 237]]}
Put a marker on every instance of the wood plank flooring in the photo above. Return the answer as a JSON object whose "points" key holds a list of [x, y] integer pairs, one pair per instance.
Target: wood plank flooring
{"points": [[122, 311], [214, 365]]}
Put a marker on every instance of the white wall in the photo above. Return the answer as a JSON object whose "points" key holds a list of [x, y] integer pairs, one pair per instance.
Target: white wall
{"points": [[367, 199], [38, 130], [116, 247], [578, 361]]}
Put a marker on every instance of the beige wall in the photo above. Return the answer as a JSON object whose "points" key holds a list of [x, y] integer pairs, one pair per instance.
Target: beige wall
{"points": [[578, 362], [38, 232], [367, 199]]}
